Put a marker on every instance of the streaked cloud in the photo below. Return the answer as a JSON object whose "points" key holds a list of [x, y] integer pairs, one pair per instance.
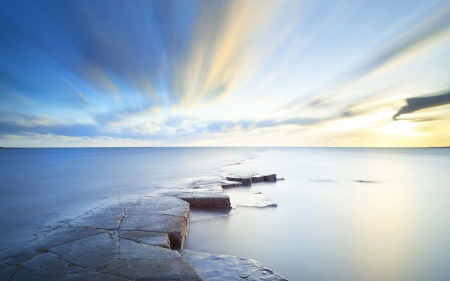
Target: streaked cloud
{"points": [[223, 72]]}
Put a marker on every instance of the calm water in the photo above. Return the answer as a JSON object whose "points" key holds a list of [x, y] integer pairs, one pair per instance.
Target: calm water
{"points": [[327, 226]]}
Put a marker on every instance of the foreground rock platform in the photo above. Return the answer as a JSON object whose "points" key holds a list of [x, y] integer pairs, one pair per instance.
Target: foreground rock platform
{"points": [[227, 268], [134, 239], [125, 240]]}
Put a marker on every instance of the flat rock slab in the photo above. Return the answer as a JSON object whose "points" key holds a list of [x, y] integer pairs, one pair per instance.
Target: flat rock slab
{"points": [[177, 270], [122, 240], [257, 178], [244, 179], [249, 179], [150, 238], [103, 257], [270, 178], [35, 275], [92, 253], [168, 215], [7, 271], [76, 273], [126, 239], [203, 198], [105, 217], [50, 262], [250, 199], [228, 184], [227, 268], [213, 200]]}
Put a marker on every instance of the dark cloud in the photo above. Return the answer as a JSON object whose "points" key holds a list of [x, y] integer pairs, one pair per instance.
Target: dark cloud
{"points": [[415, 104]]}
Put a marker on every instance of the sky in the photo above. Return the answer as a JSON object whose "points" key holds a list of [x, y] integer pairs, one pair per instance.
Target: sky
{"points": [[224, 73]]}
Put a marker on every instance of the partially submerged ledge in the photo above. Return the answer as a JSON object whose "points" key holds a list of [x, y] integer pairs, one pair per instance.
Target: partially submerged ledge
{"points": [[249, 179], [132, 240]]}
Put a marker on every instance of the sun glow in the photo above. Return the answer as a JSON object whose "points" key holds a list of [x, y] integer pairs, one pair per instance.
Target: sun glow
{"points": [[399, 128]]}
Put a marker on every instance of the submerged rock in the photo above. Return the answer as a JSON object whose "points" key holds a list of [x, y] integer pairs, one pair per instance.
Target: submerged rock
{"points": [[250, 199], [224, 268]]}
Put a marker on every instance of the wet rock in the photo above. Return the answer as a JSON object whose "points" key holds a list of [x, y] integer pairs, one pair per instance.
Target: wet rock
{"points": [[6, 272], [228, 184], [130, 250], [49, 261], [211, 200], [257, 178], [200, 198], [153, 269], [150, 238], [62, 236], [124, 240], [160, 214], [93, 253], [105, 217], [223, 267], [35, 275], [76, 273], [16, 256], [246, 180], [270, 178]]}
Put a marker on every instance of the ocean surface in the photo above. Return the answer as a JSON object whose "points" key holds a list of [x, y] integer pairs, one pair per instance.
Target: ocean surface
{"points": [[342, 214]]}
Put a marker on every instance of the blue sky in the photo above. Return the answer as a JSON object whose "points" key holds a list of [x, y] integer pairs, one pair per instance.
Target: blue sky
{"points": [[219, 73]]}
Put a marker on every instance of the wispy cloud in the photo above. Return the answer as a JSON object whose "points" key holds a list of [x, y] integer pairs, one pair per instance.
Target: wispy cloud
{"points": [[185, 71]]}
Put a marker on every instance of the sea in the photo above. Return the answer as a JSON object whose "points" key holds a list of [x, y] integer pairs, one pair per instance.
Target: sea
{"points": [[341, 214]]}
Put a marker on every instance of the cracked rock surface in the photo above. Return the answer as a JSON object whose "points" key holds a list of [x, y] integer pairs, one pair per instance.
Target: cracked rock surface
{"points": [[133, 239], [116, 241]]}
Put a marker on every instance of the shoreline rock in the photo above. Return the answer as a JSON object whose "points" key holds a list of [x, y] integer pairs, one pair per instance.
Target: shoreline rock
{"points": [[129, 239], [224, 267], [248, 180]]}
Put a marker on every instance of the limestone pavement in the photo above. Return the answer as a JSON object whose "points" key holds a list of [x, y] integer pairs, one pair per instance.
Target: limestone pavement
{"points": [[134, 239]]}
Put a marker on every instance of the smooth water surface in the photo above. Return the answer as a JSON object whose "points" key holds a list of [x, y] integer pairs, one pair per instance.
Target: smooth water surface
{"points": [[329, 226], [58, 183]]}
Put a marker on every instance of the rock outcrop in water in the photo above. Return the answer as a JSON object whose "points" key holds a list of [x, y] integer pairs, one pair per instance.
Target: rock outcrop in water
{"points": [[135, 240], [224, 267], [247, 180]]}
